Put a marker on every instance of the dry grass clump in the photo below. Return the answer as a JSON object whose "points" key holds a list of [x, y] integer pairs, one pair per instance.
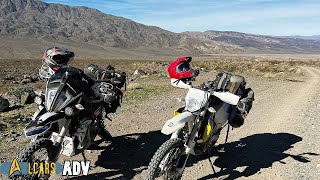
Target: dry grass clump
{"points": [[249, 66], [134, 96]]}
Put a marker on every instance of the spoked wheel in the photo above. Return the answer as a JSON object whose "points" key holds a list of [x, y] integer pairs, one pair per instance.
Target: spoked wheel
{"points": [[35, 152], [164, 162]]}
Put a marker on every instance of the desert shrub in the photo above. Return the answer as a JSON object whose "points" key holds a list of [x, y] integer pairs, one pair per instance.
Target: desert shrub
{"points": [[218, 68], [231, 68], [274, 62], [20, 90], [144, 92]]}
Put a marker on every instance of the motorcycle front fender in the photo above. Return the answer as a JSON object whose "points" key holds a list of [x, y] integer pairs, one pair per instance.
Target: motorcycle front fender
{"points": [[177, 122], [41, 125], [44, 118]]}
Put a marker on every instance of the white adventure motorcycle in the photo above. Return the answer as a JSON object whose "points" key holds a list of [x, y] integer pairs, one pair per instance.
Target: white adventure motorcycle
{"points": [[194, 130]]}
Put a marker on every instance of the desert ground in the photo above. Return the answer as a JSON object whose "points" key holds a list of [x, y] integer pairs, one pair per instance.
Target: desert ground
{"points": [[279, 139]]}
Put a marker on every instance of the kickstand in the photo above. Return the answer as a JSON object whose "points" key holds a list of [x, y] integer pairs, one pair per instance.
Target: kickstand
{"points": [[227, 134], [106, 116], [214, 171], [225, 142], [85, 159]]}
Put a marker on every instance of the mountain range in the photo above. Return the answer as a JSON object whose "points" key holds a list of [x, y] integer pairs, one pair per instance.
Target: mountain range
{"points": [[314, 37], [28, 27]]}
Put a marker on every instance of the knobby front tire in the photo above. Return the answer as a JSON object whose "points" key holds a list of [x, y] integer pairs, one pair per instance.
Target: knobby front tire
{"points": [[27, 155], [164, 149]]}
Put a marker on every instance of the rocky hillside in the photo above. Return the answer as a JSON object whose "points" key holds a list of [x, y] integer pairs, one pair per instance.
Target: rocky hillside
{"points": [[59, 22], [259, 43], [47, 22], [314, 37], [30, 26]]}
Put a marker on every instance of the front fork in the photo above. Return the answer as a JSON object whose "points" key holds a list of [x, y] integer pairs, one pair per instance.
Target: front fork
{"points": [[57, 144], [190, 143]]}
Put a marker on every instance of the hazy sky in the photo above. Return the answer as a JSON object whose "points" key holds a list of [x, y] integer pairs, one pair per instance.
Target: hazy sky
{"points": [[269, 17]]}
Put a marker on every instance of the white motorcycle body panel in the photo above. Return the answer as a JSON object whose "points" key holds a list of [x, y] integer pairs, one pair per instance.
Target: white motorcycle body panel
{"points": [[227, 97], [196, 99], [177, 122]]}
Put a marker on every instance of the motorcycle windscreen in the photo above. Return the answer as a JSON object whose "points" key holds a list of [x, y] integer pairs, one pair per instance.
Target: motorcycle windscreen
{"points": [[59, 93]]}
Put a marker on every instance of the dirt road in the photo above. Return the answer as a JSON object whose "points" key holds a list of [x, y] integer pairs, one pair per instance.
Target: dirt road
{"points": [[279, 139]]}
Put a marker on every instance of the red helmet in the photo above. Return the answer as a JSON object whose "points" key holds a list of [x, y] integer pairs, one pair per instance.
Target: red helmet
{"points": [[55, 57], [180, 68]]}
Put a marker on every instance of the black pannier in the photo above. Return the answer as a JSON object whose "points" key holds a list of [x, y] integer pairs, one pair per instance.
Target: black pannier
{"points": [[93, 71], [236, 84], [117, 77], [118, 80], [226, 81]]}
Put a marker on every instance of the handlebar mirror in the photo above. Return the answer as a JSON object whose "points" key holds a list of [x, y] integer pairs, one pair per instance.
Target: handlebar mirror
{"points": [[103, 80]]}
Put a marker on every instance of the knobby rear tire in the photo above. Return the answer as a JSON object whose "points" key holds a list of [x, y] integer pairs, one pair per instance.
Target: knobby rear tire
{"points": [[163, 150]]}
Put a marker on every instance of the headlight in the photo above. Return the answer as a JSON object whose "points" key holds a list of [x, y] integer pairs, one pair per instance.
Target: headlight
{"points": [[69, 111], [49, 98], [193, 105], [196, 99], [38, 100]]}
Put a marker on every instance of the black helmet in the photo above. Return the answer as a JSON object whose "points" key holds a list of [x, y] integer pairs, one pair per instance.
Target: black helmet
{"points": [[56, 57]]}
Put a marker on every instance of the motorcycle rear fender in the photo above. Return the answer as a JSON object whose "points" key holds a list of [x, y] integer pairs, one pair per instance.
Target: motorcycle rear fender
{"points": [[177, 122]]}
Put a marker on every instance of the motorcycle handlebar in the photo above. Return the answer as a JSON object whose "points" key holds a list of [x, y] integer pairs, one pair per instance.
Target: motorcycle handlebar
{"points": [[103, 80]]}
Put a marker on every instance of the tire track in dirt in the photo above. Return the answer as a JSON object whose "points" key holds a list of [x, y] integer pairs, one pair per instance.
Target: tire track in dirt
{"points": [[287, 105]]}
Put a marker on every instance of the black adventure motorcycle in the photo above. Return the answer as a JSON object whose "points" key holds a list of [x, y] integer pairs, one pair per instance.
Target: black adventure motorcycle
{"points": [[61, 124]]}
